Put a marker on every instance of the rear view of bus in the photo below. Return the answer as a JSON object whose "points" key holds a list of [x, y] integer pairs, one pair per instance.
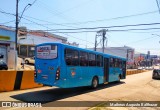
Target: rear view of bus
{"points": [[47, 69]]}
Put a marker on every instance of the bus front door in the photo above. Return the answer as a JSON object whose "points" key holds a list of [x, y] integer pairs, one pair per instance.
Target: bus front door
{"points": [[106, 70]]}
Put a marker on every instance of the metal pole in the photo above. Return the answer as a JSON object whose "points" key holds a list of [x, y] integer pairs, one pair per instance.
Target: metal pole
{"points": [[104, 33], [16, 32], [95, 47]]}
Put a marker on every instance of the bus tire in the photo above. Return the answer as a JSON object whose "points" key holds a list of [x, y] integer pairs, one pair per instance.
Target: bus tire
{"points": [[119, 78], [26, 62], [94, 82]]}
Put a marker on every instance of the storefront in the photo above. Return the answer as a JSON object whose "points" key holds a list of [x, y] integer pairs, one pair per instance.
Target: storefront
{"points": [[7, 46]]}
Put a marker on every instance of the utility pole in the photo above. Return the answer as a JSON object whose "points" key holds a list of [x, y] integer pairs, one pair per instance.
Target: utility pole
{"points": [[95, 47], [102, 34], [104, 38], [16, 32]]}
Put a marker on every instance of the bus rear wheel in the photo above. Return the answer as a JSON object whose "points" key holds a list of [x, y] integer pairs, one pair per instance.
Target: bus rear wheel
{"points": [[119, 78], [94, 83]]}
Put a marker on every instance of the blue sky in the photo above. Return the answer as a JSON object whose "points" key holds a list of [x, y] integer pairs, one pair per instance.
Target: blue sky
{"points": [[67, 14]]}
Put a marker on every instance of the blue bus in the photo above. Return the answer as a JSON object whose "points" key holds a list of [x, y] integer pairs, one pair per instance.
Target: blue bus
{"points": [[66, 66]]}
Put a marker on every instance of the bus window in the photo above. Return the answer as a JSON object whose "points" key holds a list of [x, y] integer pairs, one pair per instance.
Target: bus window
{"points": [[71, 57], [92, 59], [47, 52], [111, 62], [115, 62], [83, 58], [99, 60], [119, 63]]}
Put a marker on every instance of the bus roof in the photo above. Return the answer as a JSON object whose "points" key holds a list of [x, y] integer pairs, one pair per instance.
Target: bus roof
{"points": [[86, 50]]}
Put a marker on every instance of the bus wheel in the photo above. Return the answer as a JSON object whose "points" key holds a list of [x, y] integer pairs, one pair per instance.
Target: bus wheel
{"points": [[26, 62], [94, 82], [119, 77]]}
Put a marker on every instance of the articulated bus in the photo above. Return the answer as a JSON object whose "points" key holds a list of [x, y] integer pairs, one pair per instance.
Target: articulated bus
{"points": [[67, 66]]}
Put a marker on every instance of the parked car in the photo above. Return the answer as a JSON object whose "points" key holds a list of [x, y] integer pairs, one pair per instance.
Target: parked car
{"points": [[150, 68], [3, 65], [29, 60], [140, 68], [156, 74]]}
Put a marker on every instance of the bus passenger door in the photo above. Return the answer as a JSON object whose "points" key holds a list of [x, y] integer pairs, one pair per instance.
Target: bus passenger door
{"points": [[124, 70], [106, 70]]}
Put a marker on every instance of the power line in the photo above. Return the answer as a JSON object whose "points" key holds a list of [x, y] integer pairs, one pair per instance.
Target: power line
{"points": [[95, 21], [134, 25], [30, 21], [51, 23], [141, 40], [118, 30], [71, 9], [93, 27], [115, 18], [7, 22], [7, 13], [53, 12], [81, 28], [158, 6]]}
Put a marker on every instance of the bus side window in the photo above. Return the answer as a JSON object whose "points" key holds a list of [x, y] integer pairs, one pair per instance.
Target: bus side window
{"points": [[116, 62], [92, 59], [71, 57], [99, 60], [75, 58], [83, 58], [68, 56], [111, 62], [120, 63]]}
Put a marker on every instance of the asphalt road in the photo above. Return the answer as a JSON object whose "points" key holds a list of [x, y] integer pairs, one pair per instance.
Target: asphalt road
{"points": [[138, 87]]}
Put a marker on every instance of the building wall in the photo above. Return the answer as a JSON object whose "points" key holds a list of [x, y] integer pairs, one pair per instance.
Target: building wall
{"points": [[119, 51], [7, 40], [34, 40], [26, 46]]}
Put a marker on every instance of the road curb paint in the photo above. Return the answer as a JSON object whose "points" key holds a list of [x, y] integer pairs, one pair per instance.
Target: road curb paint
{"points": [[28, 80], [16, 80], [130, 72], [7, 80]]}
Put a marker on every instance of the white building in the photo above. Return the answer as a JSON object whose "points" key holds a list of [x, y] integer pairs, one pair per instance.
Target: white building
{"points": [[28, 40], [38, 37], [124, 52]]}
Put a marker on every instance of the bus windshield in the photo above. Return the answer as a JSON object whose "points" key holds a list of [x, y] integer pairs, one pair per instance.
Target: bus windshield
{"points": [[46, 52]]}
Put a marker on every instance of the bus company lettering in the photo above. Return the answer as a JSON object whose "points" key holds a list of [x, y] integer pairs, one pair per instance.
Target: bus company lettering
{"points": [[43, 49]]}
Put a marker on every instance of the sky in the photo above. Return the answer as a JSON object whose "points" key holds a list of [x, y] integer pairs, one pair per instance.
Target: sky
{"points": [[53, 15]]}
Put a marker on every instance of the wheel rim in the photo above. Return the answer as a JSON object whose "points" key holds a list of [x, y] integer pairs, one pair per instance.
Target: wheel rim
{"points": [[95, 83], [26, 62]]}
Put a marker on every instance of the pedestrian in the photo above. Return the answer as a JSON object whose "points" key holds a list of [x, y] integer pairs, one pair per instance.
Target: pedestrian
{"points": [[22, 63]]}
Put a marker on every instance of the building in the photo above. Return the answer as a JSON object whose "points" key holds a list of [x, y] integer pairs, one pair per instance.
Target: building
{"points": [[124, 52], [146, 59], [7, 46], [28, 40]]}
